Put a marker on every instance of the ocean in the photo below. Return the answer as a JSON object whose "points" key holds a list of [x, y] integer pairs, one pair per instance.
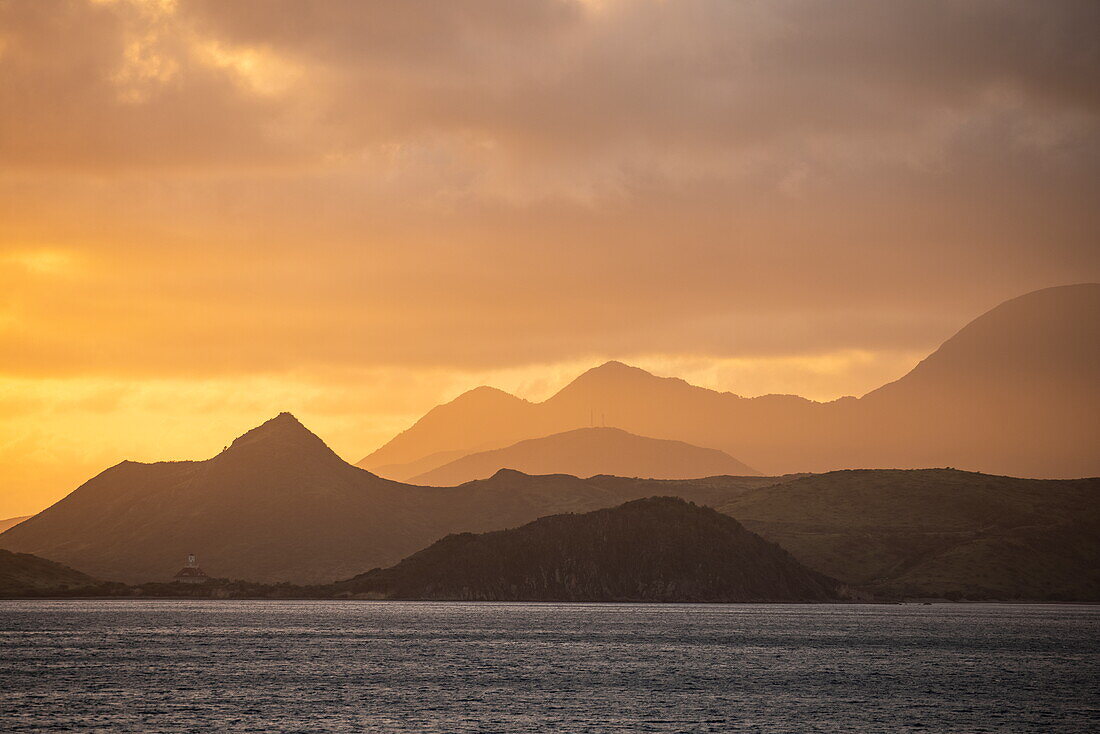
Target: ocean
{"points": [[317, 666]]}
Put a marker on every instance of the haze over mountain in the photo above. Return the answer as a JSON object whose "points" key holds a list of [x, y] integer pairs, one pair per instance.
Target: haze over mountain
{"points": [[657, 549], [1014, 392], [584, 452]]}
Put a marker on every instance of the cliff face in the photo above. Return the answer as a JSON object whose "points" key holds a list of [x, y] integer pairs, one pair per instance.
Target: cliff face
{"points": [[660, 549]]}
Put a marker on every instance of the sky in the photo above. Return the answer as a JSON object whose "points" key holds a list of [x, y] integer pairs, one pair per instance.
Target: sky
{"points": [[211, 212]]}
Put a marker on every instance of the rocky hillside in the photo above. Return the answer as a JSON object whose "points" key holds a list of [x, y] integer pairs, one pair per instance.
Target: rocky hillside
{"points": [[660, 549], [937, 532], [22, 574]]}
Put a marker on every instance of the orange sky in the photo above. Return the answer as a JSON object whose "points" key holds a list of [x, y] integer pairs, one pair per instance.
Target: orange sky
{"points": [[211, 212]]}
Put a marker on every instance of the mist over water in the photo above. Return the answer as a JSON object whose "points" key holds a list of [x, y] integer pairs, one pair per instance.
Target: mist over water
{"points": [[458, 667]]}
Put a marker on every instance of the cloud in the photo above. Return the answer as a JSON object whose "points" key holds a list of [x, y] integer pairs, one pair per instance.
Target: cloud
{"points": [[695, 88], [101, 87], [212, 191]]}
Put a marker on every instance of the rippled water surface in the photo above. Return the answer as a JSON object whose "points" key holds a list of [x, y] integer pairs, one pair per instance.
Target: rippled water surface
{"points": [[453, 667]]}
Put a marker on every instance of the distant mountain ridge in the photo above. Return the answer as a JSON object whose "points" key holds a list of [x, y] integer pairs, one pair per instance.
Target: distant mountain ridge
{"points": [[1016, 392], [585, 452], [657, 549]]}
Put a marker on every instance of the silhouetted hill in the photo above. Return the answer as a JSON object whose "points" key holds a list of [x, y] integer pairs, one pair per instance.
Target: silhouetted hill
{"points": [[937, 532], [263, 509], [279, 505], [22, 574], [1014, 392], [1047, 341], [588, 451], [1017, 391], [659, 549], [11, 522]]}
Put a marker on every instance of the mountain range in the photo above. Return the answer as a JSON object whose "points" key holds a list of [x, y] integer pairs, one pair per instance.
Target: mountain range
{"points": [[279, 506], [1014, 392], [1015, 388]]}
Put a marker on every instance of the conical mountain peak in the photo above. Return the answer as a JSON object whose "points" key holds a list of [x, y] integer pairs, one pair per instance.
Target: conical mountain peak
{"points": [[283, 435]]}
